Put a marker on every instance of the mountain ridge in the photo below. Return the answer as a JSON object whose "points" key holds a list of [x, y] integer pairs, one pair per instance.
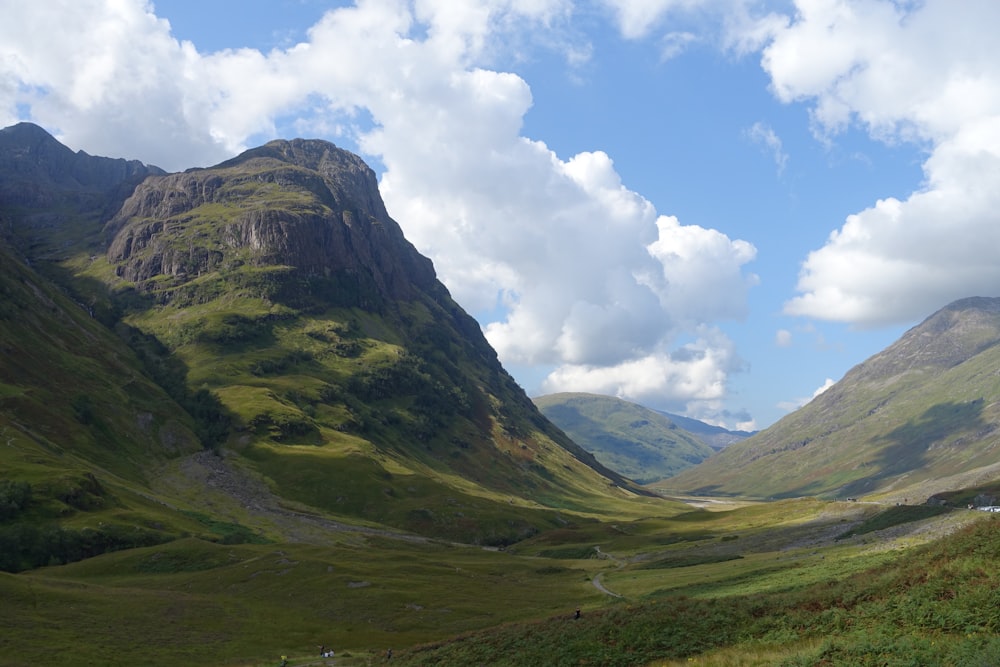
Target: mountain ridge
{"points": [[640, 443], [913, 419]]}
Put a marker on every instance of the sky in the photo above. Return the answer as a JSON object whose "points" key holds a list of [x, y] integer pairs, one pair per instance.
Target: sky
{"points": [[714, 208]]}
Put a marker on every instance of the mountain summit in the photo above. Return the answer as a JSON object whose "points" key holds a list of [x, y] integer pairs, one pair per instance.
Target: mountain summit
{"points": [[919, 417], [304, 204]]}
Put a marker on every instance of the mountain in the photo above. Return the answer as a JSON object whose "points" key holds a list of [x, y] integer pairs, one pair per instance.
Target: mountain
{"points": [[57, 198], [258, 334], [715, 437], [640, 443], [920, 417]]}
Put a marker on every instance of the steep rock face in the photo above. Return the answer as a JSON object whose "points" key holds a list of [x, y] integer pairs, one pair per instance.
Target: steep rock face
{"points": [[305, 204]]}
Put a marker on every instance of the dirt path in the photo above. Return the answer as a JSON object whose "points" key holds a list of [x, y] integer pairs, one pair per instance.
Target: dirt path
{"points": [[596, 580]]}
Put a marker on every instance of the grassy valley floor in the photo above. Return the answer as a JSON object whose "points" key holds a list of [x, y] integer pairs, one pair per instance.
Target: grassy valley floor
{"points": [[753, 583]]}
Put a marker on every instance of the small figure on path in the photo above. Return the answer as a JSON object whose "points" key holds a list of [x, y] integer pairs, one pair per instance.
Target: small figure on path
{"points": [[577, 615], [388, 654]]}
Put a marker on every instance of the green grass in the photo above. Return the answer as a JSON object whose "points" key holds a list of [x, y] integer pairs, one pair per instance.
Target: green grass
{"points": [[895, 516], [203, 602], [194, 602], [935, 605]]}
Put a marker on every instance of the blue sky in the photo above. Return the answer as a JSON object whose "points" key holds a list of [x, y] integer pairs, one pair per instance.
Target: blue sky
{"points": [[710, 207]]}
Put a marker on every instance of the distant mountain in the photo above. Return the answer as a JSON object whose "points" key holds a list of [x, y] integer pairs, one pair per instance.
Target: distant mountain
{"points": [[715, 437], [52, 199], [920, 417], [637, 442], [267, 311]]}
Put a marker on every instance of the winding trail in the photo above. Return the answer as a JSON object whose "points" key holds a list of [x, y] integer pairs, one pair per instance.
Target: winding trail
{"points": [[596, 581]]}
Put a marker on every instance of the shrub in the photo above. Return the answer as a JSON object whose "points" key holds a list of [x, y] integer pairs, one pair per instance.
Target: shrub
{"points": [[14, 497]]}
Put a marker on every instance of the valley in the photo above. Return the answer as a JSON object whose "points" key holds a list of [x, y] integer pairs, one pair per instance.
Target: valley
{"points": [[651, 589], [240, 419]]}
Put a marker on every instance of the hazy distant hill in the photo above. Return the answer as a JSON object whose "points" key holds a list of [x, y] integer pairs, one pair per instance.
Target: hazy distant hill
{"points": [[715, 437], [267, 309], [919, 417], [638, 442]]}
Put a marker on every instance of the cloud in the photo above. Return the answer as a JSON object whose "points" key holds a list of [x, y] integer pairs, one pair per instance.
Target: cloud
{"points": [[764, 135], [675, 43], [587, 277], [738, 26], [795, 404], [826, 385], [783, 338], [905, 72], [691, 379], [636, 18]]}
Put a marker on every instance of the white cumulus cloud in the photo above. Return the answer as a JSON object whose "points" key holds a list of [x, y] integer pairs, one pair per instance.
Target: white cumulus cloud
{"points": [[906, 72], [797, 403]]}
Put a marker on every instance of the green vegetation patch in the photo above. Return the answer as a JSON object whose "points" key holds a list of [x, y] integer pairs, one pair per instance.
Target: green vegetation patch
{"points": [[895, 516], [570, 553], [231, 533], [689, 560]]}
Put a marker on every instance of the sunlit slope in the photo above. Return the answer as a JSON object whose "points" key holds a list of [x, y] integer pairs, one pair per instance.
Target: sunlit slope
{"points": [[918, 418], [635, 441]]}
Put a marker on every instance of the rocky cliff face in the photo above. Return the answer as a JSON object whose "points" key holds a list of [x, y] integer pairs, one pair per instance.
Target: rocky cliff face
{"points": [[303, 204]]}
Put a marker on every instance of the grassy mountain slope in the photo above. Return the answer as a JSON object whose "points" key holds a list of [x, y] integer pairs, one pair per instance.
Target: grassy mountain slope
{"points": [[80, 428], [641, 444], [917, 418], [270, 310], [356, 384]]}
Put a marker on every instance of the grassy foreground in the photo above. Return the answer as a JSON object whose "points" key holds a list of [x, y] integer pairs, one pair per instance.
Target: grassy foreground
{"points": [[763, 584], [935, 605]]}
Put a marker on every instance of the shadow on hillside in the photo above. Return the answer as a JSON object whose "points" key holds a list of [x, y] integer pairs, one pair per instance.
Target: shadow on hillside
{"points": [[906, 447]]}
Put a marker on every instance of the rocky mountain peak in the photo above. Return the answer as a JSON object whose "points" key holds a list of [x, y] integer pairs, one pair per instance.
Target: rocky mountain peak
{"points": [[302, 204], [352, 182], [950, 336], [30, 155]]}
